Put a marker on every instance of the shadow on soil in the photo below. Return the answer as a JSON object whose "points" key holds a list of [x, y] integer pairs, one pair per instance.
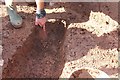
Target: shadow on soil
{"points": [[77, 74], [38, 58], [85, 41], [82, 10]]}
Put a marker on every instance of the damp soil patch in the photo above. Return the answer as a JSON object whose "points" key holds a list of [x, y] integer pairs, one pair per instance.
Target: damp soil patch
{"points": [[39, 58]]}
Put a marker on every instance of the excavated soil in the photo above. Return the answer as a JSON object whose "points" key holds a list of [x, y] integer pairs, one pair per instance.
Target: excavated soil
{"points": [[78, 35]]}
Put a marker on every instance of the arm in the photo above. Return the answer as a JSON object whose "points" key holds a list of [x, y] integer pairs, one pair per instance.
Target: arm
{"points": [[40, 13], [40, 4]]}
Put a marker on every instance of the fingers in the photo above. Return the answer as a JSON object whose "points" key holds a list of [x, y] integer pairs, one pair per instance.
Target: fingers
{"points": [[40, 22], [44, 28]]}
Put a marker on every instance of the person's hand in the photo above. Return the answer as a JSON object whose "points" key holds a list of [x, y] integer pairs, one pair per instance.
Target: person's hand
{"points": [[40, 21], [40, 18]]}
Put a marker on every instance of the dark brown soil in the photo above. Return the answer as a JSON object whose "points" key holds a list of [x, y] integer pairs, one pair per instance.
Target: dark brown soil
{"points": [[39, 58]]}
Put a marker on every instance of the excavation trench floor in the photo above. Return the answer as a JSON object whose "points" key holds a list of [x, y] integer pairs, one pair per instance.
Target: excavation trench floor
{"points": [[39, 58]]}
